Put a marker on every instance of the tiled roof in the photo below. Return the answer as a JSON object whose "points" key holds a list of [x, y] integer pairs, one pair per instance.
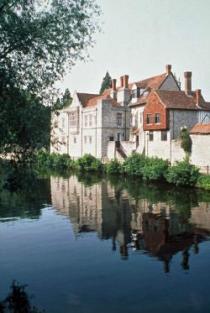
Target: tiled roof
{"points": [[85, 97], [201, 129], [152, 82], [93, 101], [179, 100]]}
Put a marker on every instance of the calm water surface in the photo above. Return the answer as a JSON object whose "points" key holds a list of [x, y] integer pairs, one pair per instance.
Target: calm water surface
{"points": [[106, 246]]}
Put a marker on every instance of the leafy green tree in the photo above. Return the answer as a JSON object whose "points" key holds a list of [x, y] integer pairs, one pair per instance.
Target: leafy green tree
{"points": [[106, 83], [67, 98], [39, 41]]}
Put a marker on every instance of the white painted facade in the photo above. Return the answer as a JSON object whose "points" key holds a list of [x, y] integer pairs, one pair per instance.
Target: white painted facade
{"points": [[83, 130]]}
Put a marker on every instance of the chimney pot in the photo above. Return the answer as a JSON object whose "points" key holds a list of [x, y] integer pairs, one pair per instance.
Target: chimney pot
{"points": [[114, 84], [126, 77], [168, 69], [121, 81], [198, 96], [188, 82]]}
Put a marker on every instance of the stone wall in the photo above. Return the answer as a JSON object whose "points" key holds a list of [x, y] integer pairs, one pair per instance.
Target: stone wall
{"points": [[200, 151]]}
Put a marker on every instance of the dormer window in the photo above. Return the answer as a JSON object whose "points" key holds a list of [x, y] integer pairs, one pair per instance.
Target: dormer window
{"points": [[135, 93]]}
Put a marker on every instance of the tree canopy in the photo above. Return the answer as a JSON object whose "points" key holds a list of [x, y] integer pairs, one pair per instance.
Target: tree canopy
{"points": [[106, 83], [39, 41]]}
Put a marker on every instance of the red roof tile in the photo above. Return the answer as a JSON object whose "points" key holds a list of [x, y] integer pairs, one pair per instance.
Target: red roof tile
{"points": [[152, 82], [179, 100], [93, 101], [201, 129], [85, 97]]}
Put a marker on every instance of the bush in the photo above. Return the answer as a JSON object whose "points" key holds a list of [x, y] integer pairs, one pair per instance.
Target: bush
{"points": [[204, 182], [113, 167], [89, 163], [54, 161], [134, 164], [186, 142], [154, 169], [182, 174]]}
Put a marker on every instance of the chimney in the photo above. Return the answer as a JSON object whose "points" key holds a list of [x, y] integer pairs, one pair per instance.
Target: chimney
{"points": [[121, 81], [188, 82], [114, 83], [126, 77], [168, 69], [198, 96]]}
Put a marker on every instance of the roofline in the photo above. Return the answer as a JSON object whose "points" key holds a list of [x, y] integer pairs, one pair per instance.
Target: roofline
{"points": [[171, 74]]}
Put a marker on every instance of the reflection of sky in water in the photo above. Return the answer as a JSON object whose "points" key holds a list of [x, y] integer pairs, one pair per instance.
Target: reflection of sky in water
{"points": [[73, 256]]}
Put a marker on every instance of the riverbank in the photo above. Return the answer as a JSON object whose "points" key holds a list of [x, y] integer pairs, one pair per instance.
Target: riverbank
{"points": [[148, 169]]}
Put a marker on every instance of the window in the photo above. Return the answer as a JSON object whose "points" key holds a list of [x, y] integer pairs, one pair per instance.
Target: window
{"points": [[149, 118], [90, 139], [164, 135], [63, 122], [111, 138], [86, 120], [157, 118], [75, 140], [151, 136], [119, 119], [90, 120], [85, 139], [135, 93], [73, 118]]}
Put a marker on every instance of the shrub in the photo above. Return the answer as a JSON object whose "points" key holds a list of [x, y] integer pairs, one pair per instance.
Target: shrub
{"points": [[113, 167], [134, 164], [89, 163], [61, 161], [204, 182], [183, 174], [53, 161], [186, 142], [154, 169]]}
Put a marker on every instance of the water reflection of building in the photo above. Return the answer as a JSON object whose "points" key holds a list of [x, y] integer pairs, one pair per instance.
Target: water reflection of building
{"points": [[82, 204], [157, 228]]}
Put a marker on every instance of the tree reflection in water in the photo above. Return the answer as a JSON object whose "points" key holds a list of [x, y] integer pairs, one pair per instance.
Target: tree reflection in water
{"points": [[18, 301]]}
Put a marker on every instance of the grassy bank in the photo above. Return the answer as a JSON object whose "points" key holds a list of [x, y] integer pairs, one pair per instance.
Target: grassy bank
{"points": [[148, 169]]}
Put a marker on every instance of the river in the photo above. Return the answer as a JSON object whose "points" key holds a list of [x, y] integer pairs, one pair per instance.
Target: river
{"points": [[89, 244]]}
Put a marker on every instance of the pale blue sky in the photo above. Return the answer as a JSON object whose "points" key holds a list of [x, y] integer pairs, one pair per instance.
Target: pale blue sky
{"points": [[140, 36]]}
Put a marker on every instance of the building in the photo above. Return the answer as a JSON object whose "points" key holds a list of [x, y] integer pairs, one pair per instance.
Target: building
{"points": [[91, 121], [144, 116]]}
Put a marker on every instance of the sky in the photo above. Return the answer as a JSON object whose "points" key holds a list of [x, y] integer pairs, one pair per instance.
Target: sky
{"points": [[139, 37]]}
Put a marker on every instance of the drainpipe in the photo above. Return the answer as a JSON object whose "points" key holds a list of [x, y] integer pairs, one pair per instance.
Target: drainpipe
{"points": [[68, 136], [96, 135], [81, 127]]}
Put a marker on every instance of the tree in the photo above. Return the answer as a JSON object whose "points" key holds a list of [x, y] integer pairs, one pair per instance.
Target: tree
{"points": [[106, 83], [67, 98], [63, 102], [25, 123], [39, 41]]}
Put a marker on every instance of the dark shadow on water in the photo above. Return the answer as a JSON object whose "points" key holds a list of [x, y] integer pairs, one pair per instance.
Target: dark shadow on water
{"points": [[18, 301]]}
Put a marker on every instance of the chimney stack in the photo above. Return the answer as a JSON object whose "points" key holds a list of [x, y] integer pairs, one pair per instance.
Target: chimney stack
{"points": [[126, 77], [188, 82], [198, 96], [121, 81], [168, 69], [114, 84]]}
